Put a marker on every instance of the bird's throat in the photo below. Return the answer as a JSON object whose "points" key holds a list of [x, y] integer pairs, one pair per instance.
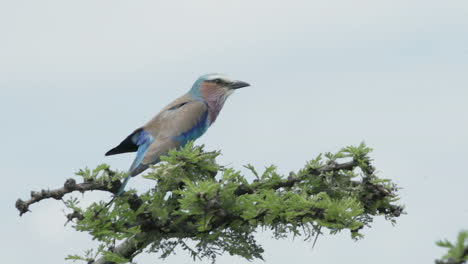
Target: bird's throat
{"points": [[215, 104]]}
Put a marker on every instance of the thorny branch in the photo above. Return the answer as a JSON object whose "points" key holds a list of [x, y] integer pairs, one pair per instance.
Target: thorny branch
{"points": [[128, 248], [150, 228], [69, 186]]}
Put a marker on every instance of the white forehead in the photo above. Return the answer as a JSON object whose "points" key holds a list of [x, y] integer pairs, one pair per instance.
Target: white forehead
{"points": [[214, 76]]}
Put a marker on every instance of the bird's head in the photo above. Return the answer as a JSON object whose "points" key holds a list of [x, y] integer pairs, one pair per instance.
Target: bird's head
{"points": [[216, 85]]}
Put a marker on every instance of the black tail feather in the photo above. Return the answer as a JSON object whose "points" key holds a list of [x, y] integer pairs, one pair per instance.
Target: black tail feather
{"points": [[128, 145]]}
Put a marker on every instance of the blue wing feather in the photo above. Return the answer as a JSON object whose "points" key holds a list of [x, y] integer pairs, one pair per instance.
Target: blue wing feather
{"points": [[143, 140]]}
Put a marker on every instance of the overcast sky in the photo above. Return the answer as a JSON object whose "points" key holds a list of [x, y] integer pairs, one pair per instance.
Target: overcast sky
{"points": [[77, 76]]}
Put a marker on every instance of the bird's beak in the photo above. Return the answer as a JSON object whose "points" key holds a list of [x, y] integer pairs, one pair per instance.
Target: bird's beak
{"points": [[238, 84]]}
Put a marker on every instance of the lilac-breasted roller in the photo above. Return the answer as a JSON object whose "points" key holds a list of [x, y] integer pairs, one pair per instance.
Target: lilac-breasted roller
{"points": [[186, 118]]}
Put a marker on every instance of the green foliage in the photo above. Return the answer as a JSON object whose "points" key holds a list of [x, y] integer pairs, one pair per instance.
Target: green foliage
{"points": [[207, 209], [89, 255], [458, 252]]}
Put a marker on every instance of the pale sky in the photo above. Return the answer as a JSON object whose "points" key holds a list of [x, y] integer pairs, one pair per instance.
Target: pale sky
{"points": [[77, 76]]}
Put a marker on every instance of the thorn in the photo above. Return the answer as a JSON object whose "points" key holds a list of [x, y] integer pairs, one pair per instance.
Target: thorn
{"points": [[316, 237]]}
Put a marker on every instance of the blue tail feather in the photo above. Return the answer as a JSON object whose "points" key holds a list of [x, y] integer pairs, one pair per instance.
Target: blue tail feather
{"points": [[122, 187]]}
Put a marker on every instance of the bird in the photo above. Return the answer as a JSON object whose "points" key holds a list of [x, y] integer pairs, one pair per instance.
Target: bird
{"points": [[184, 119]]}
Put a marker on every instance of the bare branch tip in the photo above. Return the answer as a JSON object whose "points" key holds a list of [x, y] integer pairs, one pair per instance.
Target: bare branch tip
{"points": [[22, 206]]}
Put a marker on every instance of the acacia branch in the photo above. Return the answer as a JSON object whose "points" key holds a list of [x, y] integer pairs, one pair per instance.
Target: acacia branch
{"points": [[69, 186], [292, 180], [179, 226]]}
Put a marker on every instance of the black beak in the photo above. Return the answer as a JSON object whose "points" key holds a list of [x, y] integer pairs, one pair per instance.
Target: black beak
{"points": [[238, 84]]}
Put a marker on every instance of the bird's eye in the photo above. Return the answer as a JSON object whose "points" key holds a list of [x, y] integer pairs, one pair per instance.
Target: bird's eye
{"points": [[218, 81]]}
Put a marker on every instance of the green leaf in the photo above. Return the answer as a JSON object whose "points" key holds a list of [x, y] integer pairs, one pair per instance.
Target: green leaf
{"points": [[75, 258], [110, 256]]}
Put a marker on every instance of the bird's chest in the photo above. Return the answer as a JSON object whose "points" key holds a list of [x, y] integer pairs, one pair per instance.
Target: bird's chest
{"points": [[196, 131]]}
